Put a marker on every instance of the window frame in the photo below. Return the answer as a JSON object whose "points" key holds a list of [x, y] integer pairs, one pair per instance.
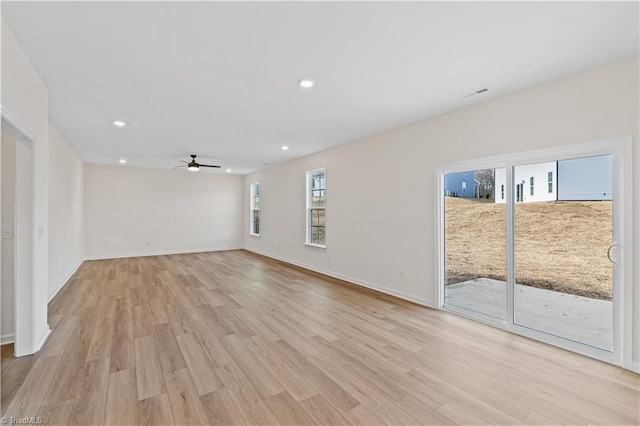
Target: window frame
{"points": [[310, 208], [252, 208]]}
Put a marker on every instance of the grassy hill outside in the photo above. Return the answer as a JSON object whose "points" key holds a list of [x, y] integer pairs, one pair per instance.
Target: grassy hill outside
{"points": [[560, 246]]}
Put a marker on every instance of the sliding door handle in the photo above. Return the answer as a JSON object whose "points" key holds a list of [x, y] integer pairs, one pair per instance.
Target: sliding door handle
{"points": [[609, 254]]}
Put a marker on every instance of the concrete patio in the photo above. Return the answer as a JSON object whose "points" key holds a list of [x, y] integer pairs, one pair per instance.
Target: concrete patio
{"points": [[578, 318]]}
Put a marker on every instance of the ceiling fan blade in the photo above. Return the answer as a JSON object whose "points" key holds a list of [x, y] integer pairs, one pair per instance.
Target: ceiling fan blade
{"points": [[184, 161], [177, 167], [207, 165]]}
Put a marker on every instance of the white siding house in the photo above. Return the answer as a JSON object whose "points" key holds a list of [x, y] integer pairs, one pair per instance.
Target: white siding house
{"points": [[585, 179], [533, 182]]}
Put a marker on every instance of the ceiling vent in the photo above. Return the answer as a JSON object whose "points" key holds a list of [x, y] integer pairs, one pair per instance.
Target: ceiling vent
{"points": [[477, 92]]}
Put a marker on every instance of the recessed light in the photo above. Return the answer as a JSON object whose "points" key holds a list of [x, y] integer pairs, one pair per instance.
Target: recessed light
{"points": [[228, 170], [123, 161], [284, 147], [306, 83], [119, 123]]}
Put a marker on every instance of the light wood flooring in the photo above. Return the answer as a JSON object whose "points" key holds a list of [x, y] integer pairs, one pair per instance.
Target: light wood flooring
{"points": [[235, 338]]}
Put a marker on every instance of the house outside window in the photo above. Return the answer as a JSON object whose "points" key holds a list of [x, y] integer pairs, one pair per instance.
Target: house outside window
{"points": [[255, 209], [316, 207]]}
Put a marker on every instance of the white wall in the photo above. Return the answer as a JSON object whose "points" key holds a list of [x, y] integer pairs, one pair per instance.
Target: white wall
{"points": [[8, 249], [133, 211], [24, 102], [381, 190], [66, 211]]}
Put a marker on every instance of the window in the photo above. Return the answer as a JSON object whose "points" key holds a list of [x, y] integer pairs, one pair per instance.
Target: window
{"points": [[531, 185], [464, 186], [316, 207], [255, 209], [502, 192], [550, 181]]}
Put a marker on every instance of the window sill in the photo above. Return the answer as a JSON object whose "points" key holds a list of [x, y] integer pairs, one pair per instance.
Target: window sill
{"points": [[315, 245]]}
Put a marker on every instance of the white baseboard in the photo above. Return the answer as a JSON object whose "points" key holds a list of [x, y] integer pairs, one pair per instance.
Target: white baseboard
{"points": [[43, 338], [351, 280], [65, 281], [159, 253], [7, 338]]}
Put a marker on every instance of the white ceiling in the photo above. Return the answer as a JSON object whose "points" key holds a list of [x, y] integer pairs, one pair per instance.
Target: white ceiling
{"points": [[220, 79]]}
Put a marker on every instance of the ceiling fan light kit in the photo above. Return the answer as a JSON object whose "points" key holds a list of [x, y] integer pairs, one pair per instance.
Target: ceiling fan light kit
{"points": [[194, 166]]}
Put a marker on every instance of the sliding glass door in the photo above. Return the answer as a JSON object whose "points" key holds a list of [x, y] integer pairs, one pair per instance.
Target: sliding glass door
{"points": [[563, 232], [536, 246], [475, 241]]}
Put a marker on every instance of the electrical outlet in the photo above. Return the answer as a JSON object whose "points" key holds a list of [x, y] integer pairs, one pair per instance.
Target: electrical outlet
{"points": [[7, 232]]}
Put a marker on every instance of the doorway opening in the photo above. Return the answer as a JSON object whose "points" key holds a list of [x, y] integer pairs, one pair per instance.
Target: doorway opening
{"points": [[17, 217]]}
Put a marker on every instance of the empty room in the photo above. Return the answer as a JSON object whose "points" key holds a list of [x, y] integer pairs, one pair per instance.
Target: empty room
{"points": [[298, 213]]}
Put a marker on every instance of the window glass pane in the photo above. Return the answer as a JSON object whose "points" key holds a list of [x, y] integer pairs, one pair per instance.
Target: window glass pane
{"points": [[256, 221], [321, 237], [475, 241], [563, 278], [316, 204], [255, 208], [314, 235]]}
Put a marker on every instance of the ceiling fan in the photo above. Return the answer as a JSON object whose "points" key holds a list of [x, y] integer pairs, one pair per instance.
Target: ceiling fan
{"points": [[194, 166]]}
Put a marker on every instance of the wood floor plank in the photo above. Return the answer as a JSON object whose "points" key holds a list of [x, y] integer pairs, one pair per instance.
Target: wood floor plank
{"points": [[202, 372], [287, 410], [142, 321], [122, 345], [14, 373], [30, 396], [297, 387], [250, 406], [158, 313], [220, 409], [101, 339], [327, 387], [89, 406], [68, 375], [171, 358], [361, 416], [122, 396], [461, 415], [184, 399], [322, 412], [422, 412], [149, 376], [261, 378], [155, 411], [57, 413]]}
